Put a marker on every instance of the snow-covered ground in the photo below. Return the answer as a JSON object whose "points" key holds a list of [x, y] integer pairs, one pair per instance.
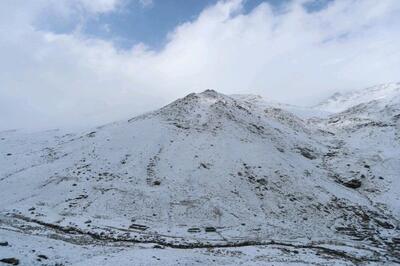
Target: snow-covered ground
{"points": [[210, 179]]}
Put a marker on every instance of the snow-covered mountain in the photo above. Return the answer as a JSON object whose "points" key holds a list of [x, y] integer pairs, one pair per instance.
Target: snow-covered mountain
{"points": [[339, 102], [229, 179], [367, 136]]}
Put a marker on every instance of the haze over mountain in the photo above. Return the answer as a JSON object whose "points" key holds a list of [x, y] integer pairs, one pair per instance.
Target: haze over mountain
{"points": [[211, 179]]}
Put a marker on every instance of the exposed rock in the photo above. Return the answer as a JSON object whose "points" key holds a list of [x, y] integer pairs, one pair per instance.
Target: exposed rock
{"points": [[91, 134], [205, 165], [353, 183], [210, 229], [194, 230], [308, 153], [262, 181], [12, 261], [138, 227]]}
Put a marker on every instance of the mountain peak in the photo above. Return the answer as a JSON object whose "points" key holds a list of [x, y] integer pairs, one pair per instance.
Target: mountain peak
{"points": [[206, 94], [210, 93]]}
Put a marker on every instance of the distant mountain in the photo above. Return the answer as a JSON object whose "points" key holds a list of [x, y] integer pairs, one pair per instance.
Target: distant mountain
{"points": [[339, 102], [220, 172]]}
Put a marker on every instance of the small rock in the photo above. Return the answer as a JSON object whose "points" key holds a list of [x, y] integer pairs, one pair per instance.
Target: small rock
{"points": [[262, 181], [204, 165], [354, 183], [4, 244], [12, 261], [194, 230], [91, 134], [396, 240], [308, 153], [210, 229], [384, 224], [138, 227], [43, 257]]}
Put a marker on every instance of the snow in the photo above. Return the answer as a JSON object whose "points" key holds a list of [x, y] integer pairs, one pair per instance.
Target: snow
{"points": [[28, 248]]}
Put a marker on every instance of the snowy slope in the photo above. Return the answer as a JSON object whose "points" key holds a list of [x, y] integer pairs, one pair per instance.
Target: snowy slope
{"points": [[367, 142], [211, 170]]}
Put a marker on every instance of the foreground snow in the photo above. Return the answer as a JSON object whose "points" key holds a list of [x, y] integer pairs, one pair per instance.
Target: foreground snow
{"points": [[38, 250]]}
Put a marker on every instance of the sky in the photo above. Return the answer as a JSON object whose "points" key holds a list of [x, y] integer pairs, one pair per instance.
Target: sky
{"points": [[81, 63]]}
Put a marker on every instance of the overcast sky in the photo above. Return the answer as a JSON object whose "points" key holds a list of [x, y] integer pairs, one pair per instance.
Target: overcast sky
{"points": [[88, 62]]}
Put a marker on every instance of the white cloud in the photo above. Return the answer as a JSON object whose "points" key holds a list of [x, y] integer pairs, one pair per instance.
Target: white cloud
{"points": [[294, 56], [97, 5], [146, 3]]}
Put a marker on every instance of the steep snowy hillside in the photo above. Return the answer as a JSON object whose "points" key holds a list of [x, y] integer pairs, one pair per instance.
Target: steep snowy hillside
{"points": [[232, 174], [367, 143]]}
